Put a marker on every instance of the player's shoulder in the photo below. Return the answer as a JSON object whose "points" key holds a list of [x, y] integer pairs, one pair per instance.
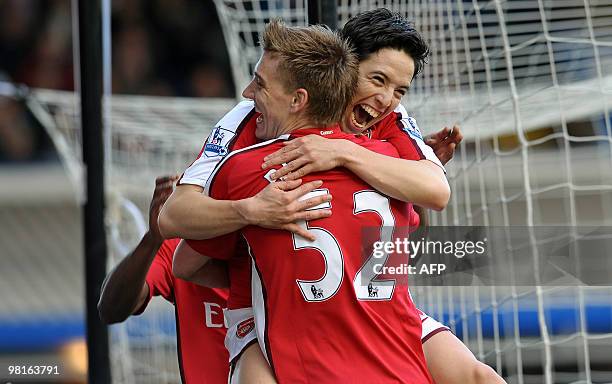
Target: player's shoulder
{"points": [[237, 115], [254, 150], [375, 145], [228, 128], [397, 120], [239, 162], [407, 122]]}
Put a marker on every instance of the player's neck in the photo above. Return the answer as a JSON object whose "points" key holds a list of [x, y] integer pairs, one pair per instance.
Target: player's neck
{"points": [[296, 125]]}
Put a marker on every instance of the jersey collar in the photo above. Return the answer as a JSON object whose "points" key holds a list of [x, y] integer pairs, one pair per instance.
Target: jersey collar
{"points": [[328, 132]]}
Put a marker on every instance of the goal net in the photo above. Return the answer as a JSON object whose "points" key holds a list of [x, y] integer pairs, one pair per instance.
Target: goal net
{"points": [[529, 82], [145, 137]]}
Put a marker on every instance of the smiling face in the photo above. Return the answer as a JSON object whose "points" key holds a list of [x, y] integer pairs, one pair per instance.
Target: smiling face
{"points": [[270, 97], [384, 77]]}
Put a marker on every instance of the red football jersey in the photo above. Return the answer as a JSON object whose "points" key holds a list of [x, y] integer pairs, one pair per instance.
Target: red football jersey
{"points": [[232, 248], [236, 130], [402, 131], [322, 315], [200, 325]]}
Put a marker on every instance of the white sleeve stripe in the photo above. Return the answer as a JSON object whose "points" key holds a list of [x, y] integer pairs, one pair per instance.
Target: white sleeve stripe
{"points": [[425, 149], [196, 173], [189, 181], [430, 327], [214, 172], [410, 124], [218, 143], [434, 332]]}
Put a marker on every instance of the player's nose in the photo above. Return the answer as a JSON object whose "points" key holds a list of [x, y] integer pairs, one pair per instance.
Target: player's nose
{"points": [[383, 98], [247, 93]]}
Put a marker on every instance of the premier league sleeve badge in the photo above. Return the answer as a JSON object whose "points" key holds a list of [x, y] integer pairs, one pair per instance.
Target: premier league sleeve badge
{"points": [[217, 142]]}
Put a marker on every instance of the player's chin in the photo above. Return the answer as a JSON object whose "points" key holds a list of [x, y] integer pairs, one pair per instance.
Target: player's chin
{"points": [[261, 134]]}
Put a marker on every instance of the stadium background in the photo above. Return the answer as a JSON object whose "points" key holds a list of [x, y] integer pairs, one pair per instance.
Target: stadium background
{"points": [[529, 81]]}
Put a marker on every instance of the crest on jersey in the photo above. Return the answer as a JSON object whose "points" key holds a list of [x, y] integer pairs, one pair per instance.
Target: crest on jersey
{"points": [[317, 293], [412, 128], [245, 327], [217, 142], [372, 290]]}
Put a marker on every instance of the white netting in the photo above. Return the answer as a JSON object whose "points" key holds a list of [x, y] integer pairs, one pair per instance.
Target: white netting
{"points": [[243, 21], [151, 136], [530, 83]]}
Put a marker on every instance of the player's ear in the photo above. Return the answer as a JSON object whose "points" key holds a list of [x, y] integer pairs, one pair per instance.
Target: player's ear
{"points": [[300, 100]]}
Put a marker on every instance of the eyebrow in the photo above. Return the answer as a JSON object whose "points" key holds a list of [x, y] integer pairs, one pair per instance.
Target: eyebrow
{"points": [[259, 78], [405, 87]]}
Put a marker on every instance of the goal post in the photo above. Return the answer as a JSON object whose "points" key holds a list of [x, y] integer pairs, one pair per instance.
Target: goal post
{"points": [[529, 82], [90, 48]]}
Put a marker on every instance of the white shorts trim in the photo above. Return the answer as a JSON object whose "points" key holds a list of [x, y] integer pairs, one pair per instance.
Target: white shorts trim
{"points": [[430, 327], [240, 331]]}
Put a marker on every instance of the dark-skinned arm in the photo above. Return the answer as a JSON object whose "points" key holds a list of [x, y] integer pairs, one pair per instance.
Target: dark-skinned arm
{"points": [[125, 290]]}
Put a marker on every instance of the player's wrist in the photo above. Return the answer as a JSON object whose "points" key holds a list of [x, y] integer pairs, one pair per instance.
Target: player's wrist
{"points": [[244, 211], [349, 154], [153, 239]]}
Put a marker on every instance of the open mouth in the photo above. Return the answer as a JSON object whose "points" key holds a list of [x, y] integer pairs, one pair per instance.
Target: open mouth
{"points": [[362, 115]]}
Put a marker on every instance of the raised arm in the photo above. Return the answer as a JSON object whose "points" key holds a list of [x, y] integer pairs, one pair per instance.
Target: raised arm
{"points": [[124, 290], [190, 265], [190, 214], [420, 182]]}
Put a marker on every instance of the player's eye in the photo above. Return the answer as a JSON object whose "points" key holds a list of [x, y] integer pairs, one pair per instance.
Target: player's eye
{"points": [[257, 81], [400, 93], [379, 80]]}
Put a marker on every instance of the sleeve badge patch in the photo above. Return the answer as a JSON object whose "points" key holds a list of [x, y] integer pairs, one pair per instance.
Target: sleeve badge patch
{"points": [[217, 142], [412, 128]]}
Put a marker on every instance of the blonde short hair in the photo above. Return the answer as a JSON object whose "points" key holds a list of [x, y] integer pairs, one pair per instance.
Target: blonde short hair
{"points": [[318, 60]]}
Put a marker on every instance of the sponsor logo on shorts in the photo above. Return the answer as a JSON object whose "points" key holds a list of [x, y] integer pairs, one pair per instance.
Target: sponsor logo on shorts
{"points": [[245, 327], [217, 142]]}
